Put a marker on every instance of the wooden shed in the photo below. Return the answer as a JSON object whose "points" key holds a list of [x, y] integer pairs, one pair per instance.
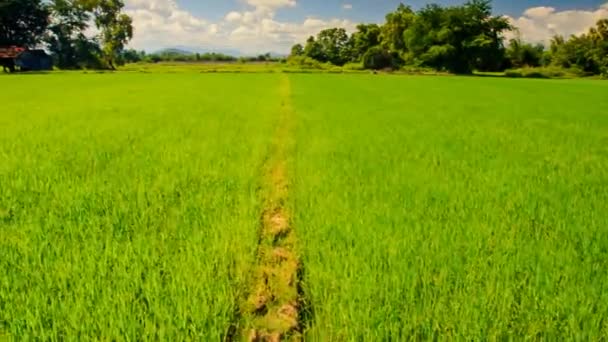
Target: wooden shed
{"points": [[12, 57], [34, 60], [8, 54]]}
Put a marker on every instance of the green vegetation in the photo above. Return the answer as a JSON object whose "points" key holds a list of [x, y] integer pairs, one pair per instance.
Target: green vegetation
{"points": [[128, 209], [62, 25], [152, 206], [477, 214], [457, 39], [545, 72], [460, 39]]}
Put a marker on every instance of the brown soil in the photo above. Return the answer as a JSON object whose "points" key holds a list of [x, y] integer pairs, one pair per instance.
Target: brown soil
{"points": [[271, 311]]}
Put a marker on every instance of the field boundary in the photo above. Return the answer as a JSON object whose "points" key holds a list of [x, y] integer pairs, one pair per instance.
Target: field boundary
{"points": [[271, 309]]}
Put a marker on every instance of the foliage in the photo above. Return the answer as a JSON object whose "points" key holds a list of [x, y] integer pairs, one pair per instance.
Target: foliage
{"points": [[521, 54], [393, 31], [66, 39], [377, 58], [22, 22], [62, 24], [132, 56], [365, 38], [331, 45], [306, 62], [458, 39], [353, 66], [588, 52], [545, 72], [116, 28], [297, 50]]}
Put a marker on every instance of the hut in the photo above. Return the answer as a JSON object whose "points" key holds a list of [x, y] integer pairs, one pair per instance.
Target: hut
{"points": [[8, 54], [34, 60], [27, 60]]}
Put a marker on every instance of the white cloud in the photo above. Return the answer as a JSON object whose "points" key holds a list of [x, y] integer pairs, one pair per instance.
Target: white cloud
{"points": [[272, 3], [255, 29], [162, 23], [540, 24]]}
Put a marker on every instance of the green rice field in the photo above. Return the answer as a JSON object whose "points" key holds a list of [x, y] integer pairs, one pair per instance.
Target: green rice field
{"points": [[425, 207]]}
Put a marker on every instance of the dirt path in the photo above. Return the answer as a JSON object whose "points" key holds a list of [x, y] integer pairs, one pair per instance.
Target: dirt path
{"points": [[272, 310]]}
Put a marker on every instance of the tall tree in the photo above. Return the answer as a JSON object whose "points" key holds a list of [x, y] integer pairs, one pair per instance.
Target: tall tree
{"points": [[314, 50], [297, 50], [22, 22], [397, 23], [116, 28], [66, 39], [522, 54], [334, 44], [588, 52], [458, 38], [366, 37]]}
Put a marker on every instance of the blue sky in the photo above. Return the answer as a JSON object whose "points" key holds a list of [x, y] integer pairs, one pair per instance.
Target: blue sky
{"points": [[371, 10], [255, 26]]}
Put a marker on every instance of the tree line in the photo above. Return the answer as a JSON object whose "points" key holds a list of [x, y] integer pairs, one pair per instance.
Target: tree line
{"points": [[458, 39], [62, 25], [175, 55]]}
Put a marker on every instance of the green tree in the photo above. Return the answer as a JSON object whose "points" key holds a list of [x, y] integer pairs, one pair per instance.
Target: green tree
{"points": [[314, 50], [334, 45], [522, 54], [377, 58], [66, 40], [134, 56], [366, 37], [588, 52], [397, 22], [116, 28], [22, 22], [458, 38], [297, 50]]}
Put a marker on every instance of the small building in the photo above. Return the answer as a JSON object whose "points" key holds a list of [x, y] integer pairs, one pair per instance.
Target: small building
{"points": [[27, 60], [8, 54], [34, 60]]}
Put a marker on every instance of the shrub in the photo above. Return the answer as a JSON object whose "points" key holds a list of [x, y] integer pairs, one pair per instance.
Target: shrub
{"points": [[377, 58], [546, 72], [306, 62], [414, 69], [353, 66]]}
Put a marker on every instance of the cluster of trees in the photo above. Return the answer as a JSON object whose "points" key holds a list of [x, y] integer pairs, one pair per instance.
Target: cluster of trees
{"points": [[587, 52], [62, 26], [457, 39], [175, 55]]}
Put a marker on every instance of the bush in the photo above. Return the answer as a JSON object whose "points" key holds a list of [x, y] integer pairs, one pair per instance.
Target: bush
{"points": [[414, 69], [604, 72], [307, 63], [377, 58], [545, 72], [353, 66]]}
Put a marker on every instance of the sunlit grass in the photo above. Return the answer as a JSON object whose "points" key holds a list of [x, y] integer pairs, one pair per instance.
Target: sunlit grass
{"points": [[128, 205], [461, 208], [454, 207]]}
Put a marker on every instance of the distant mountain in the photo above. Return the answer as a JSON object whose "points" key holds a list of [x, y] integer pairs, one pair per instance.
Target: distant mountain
{"points": [[189, 50], [173, 51]]}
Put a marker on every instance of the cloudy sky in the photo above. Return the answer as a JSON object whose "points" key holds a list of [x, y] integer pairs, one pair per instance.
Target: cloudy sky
{"points": [[256, 26]]}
